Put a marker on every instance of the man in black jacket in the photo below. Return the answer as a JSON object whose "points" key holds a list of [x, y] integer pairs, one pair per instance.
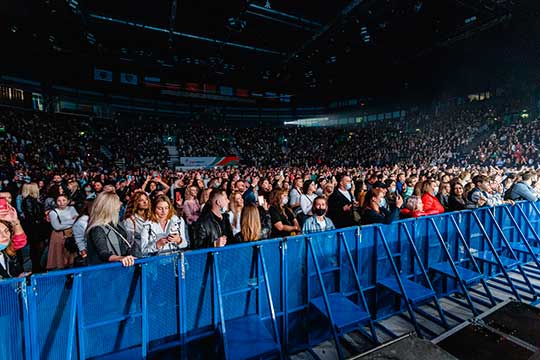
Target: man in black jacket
{"points": [[213, 229], [340, 204]]}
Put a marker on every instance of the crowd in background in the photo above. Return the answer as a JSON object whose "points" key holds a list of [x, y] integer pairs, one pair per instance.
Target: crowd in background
{"points": [[75, 192]]}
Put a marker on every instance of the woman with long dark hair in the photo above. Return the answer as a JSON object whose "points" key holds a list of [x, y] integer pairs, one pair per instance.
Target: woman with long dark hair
{"points": [[456, 200], [284, 222]]}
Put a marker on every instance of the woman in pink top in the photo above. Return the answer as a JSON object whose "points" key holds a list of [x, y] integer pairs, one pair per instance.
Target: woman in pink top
{"points": [[192, 208]]}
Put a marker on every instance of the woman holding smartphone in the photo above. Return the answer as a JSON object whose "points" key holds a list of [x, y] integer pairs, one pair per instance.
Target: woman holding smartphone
{"points": [[164, 231]]}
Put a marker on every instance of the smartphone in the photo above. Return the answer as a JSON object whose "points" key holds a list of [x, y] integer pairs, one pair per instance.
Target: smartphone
{"points": [[3, 204], [174, 229], [261, 200], [129, 177]]}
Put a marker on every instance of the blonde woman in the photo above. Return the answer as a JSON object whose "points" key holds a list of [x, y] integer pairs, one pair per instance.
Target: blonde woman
{"points": [[236, 203], [106, 236], [164, 231], [34, 224], [251, 229]]}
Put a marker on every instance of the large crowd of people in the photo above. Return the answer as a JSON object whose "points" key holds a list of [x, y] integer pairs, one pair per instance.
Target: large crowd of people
{"points": [[78, 192]]}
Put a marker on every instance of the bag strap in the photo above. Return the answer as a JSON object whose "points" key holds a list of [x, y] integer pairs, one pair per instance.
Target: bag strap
{"points": [[120, 236], [307, 197], [58, 216]]}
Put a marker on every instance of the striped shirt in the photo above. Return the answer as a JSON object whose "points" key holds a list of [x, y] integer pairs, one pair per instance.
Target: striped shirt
{"points": [[311, 225]]}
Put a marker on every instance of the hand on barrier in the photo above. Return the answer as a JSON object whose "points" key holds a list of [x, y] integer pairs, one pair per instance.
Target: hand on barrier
{"points": [[128, 261], [221, 241]]}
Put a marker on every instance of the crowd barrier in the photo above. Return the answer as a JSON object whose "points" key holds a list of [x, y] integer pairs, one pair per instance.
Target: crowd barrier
{"points": [[274, 296]]}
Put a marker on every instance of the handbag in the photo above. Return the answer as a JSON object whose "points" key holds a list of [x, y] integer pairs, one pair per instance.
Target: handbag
{"points": [[70, 244]]}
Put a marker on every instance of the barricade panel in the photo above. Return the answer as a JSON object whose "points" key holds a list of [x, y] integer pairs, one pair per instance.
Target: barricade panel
{"points": [[163, 300], [297, 328], [326, 247], [238, 272], [366, 265], [368, 252], [11, 320], [198, 280], [485, 215], [296, 269], [506, 224], [119, 297], [272, 256], [470, 230], [52, 310], [530, 213], [348, 282]]}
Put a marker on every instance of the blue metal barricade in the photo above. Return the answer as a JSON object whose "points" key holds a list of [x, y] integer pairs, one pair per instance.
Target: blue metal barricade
{"points": [[197, 298]]}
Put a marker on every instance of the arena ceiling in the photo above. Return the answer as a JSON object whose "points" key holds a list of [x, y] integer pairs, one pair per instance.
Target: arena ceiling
{"points": [[301, 44]]}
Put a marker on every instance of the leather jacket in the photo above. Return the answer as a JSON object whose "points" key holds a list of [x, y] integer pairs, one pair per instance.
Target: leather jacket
{"points": [[208, 230], [32, 210]]}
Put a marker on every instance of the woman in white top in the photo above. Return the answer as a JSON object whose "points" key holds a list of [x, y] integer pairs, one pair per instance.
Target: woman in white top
{"points": [[62, 219], [164, 232], [137, 214], [309, 194], [236, 202]]}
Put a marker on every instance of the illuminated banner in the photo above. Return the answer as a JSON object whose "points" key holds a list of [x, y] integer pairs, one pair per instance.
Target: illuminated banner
{"points": [[131, 79], [192, 87], [226, 90], [210, 88], [242, 92], [103, 75], [152, 81], [208, 162]]}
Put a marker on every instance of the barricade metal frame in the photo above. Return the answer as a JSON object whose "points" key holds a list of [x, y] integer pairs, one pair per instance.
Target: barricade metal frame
{"points": [[184, 292], [458, 272], [356, 315], [406, 286]]}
